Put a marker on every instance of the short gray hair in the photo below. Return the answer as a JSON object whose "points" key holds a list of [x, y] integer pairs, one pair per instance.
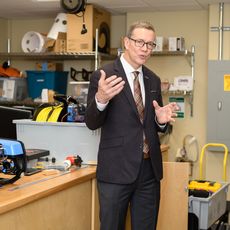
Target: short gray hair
{"points": [[139, 24]]}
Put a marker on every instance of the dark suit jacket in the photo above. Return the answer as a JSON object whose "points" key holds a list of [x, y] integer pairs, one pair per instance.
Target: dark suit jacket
{"points": [[121, 144]]}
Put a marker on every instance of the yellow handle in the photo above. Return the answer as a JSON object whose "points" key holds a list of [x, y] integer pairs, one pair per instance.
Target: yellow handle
{"points": [[44, 114], [224, 161], [55, 114]]}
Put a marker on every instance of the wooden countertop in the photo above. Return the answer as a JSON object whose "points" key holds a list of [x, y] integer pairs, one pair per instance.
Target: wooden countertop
{"points": [[26, 190]]}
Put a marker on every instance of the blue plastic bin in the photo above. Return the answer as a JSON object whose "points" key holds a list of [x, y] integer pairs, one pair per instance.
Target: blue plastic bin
{"points": [[38, 80]]}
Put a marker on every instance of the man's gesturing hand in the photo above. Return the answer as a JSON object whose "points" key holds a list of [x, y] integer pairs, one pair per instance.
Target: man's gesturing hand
{"points": [[108, 87], [166, 113]]}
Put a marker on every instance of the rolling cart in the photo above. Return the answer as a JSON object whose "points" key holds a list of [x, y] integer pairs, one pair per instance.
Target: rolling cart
{"points": [[205, 211]]}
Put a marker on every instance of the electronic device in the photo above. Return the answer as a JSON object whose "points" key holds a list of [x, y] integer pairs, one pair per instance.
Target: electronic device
{"points": [[7, 115], [12, 160], [31, 155], [183, 83]]}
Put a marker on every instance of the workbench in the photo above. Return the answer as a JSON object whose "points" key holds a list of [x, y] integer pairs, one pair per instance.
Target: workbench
{"points": [[69, 201], [63, 202]]}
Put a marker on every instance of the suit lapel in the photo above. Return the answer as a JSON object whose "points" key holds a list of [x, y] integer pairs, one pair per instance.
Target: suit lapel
{"points": [[147, 93], [126, 91]]}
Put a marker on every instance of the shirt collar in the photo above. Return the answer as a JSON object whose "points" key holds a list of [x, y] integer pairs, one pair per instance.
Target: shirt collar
{"points": [[128, 68]]}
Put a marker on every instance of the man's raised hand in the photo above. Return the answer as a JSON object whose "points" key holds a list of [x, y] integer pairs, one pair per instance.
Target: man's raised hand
{"points": [[108, 87]]}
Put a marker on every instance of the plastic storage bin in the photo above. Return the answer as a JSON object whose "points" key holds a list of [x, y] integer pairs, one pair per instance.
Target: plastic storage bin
{"points": [[60, 138], [210, 209], [38, 80], [13, 89]]}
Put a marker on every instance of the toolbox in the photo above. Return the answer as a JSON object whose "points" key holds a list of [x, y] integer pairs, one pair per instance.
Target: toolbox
{"points": [[209, 209]]}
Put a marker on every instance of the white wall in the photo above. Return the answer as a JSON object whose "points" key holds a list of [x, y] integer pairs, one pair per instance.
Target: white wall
{"points": [[17, 29], [4, 35]]}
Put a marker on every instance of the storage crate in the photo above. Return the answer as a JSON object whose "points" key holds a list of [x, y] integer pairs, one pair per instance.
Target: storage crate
{"points": [[60, 138], [209, 209], [38, 80], [13, 89]]}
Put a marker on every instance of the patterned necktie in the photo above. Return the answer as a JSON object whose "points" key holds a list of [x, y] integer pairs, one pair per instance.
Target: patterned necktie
{"points": [[138, 96], [140, 108]]}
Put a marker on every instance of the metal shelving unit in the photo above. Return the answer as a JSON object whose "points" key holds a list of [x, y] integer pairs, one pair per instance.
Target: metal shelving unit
{"points": [[97, 57], [172, 53], [191, 59], [55, 56]]}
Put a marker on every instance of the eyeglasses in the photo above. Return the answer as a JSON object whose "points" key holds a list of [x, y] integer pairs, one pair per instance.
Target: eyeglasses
{"points": [[140, 43]]}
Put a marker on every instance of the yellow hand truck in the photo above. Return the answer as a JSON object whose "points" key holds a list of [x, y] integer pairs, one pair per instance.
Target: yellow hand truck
{"points": [[209, 208]]}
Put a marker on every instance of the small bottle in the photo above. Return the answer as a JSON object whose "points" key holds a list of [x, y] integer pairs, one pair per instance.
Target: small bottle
{"points": [[72, 112]]}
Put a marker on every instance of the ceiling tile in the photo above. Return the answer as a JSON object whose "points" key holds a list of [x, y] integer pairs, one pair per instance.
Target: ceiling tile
{"points": [[30, 8]]}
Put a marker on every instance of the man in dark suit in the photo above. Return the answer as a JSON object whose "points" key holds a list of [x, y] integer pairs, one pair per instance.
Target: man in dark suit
{"points": [[130, 116]]}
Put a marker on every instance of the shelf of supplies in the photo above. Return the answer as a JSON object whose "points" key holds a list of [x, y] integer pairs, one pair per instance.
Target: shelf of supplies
{"points": [[79, 82], [191, 57], [172, 53], [177, 92], [56, 56]]}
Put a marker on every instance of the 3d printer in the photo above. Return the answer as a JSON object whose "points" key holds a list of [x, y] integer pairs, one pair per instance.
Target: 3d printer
{"points": [[12, 160]]}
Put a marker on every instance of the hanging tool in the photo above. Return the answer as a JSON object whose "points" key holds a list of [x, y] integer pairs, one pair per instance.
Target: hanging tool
{"points": [[85, 74]]}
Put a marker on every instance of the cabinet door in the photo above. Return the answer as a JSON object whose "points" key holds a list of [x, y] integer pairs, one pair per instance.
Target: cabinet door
{"points": [[218, 125], [173, 213]]}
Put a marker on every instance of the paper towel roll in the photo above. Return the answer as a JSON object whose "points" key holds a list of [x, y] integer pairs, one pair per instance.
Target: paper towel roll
{"points": [[60, 25]]}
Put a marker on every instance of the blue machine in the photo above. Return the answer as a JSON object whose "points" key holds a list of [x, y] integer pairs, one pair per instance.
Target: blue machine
{"points": [[12, 160]]}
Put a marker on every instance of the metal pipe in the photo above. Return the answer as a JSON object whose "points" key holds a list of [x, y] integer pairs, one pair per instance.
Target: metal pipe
{"points": [[96, 50], [221, 12], [8, 50], [9, 39]]}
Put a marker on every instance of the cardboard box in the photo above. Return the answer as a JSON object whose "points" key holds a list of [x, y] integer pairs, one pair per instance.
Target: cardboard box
{"points": [[95, 18], [58, 45], [176, 44], [52, 66], [161, 44]]}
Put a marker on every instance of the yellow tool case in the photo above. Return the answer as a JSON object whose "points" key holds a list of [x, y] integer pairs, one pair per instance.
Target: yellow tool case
{"points": [[203, 188]]}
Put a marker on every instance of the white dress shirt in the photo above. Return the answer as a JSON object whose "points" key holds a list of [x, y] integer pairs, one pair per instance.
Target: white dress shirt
{"points": [[130, 77]]}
